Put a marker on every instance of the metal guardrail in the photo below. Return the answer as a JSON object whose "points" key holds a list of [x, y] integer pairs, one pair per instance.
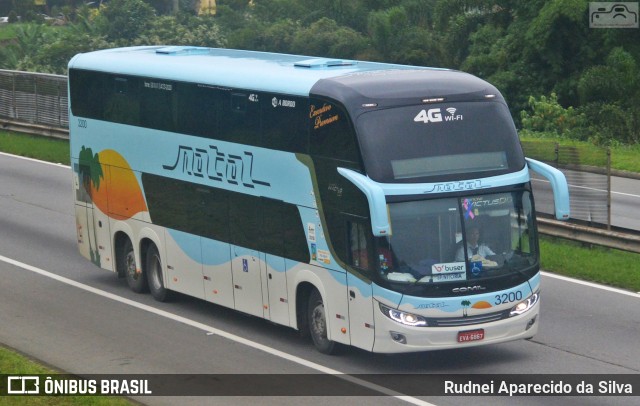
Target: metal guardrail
{"points": [[36, 103], [35, 129], [34, 98], [591, 190], [589, 235]]}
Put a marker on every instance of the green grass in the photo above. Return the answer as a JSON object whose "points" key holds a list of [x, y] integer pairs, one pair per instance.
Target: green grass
{"points": [[13, 363], [590, 263], [43, 148], [626, 158]]}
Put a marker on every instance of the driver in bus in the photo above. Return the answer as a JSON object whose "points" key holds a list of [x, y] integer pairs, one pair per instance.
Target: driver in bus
{"points": [[475, 249]]}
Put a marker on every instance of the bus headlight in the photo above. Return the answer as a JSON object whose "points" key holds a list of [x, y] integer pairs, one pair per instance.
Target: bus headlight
{"points": [[525, 305], [408, 319]]}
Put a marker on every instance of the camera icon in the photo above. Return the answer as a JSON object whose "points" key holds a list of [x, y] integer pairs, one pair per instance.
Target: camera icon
{"points": [[613, 15], [23, 385]]}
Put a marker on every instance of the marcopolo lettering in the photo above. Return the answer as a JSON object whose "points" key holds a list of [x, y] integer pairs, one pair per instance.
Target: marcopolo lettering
{"points": [[466, 289]]}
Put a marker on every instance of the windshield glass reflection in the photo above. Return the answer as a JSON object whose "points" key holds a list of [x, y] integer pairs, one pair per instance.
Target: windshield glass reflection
{"points": [[458, 239]]}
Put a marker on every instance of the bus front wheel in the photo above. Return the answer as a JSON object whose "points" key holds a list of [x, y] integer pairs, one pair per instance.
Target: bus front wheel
{"points": [[318, 324], [136, 278], [154, 275]]}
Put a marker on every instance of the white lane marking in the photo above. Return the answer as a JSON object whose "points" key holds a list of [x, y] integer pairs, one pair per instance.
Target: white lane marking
{"points": [[591, 284], [212, 330], [35, 160], [590, 188]]}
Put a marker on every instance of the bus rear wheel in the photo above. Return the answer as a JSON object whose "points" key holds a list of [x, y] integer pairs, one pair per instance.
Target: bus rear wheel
{"points": [[317, 319], [153, 267], [136, 278]]}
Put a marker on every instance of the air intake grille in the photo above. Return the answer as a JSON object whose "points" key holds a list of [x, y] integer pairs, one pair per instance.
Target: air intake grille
{"points": [[467, 321]]}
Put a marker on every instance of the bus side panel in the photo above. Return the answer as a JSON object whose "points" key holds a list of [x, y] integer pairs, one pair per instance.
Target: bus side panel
{"points": [[103, 240], [361, 321], [332, 285], [92, 225], [184, 263], [84, 230], [276, 290], [216, 269], [246, 266]]}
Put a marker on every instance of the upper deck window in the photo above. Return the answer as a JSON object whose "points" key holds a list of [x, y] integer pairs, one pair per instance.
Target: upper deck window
{"points": [[439, 142], [249, 117]]}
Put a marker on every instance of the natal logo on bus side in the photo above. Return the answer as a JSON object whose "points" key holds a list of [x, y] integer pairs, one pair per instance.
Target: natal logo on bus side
{"points": [[436, 116], [214, 164]]}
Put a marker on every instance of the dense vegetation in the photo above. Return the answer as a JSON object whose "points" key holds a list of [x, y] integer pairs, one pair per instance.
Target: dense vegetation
{"points": [[560, 77]]}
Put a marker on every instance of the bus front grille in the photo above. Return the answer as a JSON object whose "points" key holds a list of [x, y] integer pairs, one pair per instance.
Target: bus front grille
{"points": [[467, 320]]}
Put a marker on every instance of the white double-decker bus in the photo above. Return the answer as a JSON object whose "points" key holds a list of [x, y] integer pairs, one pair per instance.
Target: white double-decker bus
{"points": [[381, 206]]}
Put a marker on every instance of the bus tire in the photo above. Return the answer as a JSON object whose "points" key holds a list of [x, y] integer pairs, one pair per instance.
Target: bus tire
{"points": [[136, 278], [153, 268], [317, 319]]}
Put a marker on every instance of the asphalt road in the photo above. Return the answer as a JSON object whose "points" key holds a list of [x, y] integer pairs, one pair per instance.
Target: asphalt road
{"points": [[57, 307]]}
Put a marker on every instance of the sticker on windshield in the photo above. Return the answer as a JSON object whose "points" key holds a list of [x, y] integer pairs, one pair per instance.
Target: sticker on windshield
{"points": [[451, 267], [447, 272], [437, 115], [476, 206], [450, 277]]}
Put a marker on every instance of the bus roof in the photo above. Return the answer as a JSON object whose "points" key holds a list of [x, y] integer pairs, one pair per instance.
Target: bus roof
{"points": [[349, 81], [261, 71]]}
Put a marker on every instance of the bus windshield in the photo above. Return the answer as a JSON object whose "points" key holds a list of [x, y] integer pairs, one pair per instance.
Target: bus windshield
{"points": [[436, 142], [458, 239]]}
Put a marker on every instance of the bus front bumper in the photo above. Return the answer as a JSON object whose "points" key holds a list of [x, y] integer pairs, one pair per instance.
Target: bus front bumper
{"points": [[393, 337]]}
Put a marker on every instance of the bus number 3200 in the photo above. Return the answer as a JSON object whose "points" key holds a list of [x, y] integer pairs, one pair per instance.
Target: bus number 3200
{"points": [[82, 123], [508, 297]]}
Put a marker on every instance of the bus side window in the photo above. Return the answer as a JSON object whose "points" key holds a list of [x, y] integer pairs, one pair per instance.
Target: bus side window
{"points": [[282, 231], [284, 122], [359, 246], [240, 119], [158, 105], [198, 110], [244, 221], [88, 93], [271, 230], [122, 103]]}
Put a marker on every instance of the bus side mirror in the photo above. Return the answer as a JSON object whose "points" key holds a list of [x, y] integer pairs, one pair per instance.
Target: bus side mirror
{"points": [[558, 184], [376, 198]]}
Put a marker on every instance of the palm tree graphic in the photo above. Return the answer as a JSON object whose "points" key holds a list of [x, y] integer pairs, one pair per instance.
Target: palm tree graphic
{"points": [[465, 304], [90, 172]]}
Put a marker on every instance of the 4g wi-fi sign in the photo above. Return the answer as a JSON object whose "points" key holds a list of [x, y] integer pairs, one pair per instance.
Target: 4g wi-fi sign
{"points": [[436, 116]]}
